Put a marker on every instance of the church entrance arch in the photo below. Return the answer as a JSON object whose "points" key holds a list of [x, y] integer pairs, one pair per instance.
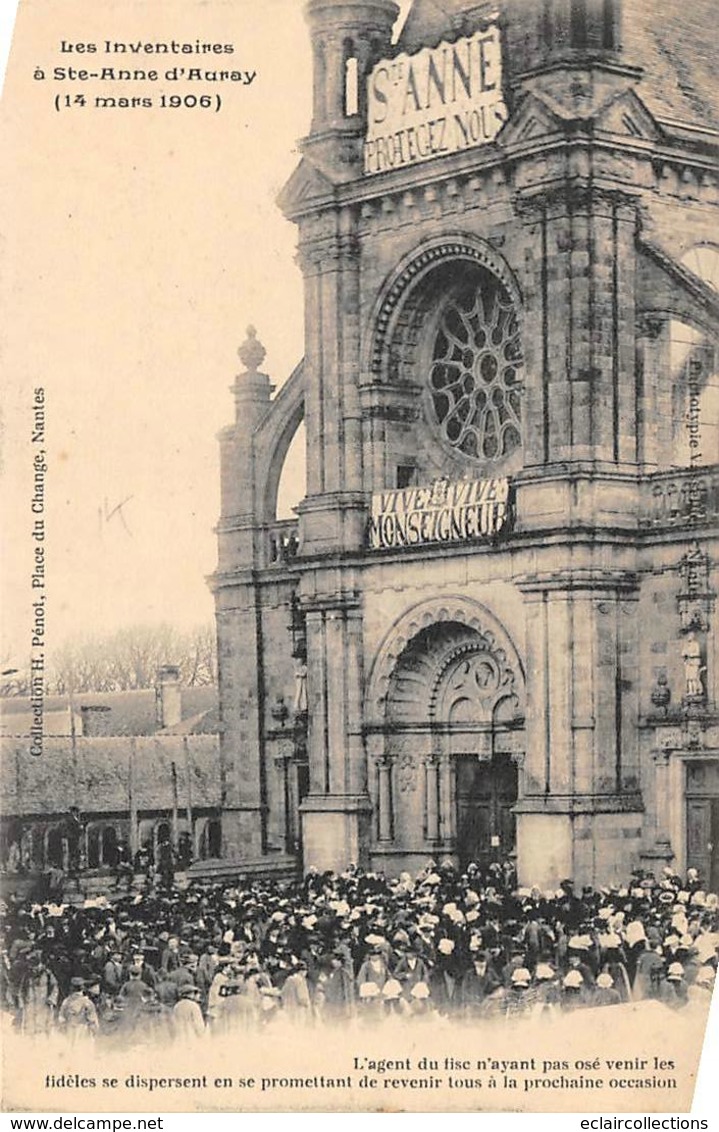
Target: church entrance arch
{"points": [[449, 747]]}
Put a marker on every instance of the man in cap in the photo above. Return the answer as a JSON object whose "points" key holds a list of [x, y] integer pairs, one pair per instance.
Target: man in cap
{"points": [[478, 983], [335, 991], [77, 1017], [295, 994], [648, 974], [138, 962], [187, 1021], [113, 975], [410, 969], [237, 1011], [374, 969], [185, 974], [37, 995], [207, 968], [445, 983]]}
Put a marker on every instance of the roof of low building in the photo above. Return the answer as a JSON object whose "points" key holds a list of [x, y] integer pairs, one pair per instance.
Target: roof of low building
{"points": [[130, 713]]}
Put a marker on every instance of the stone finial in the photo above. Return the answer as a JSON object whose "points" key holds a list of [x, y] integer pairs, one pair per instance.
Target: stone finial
{"points": [[252, 353]]}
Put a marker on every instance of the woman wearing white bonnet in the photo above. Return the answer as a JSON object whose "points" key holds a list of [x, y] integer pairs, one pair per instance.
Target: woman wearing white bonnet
{"points": [[606, 993], [573, 991], [673, 988]]}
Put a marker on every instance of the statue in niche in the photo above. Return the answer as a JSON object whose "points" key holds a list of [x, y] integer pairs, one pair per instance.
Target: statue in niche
{"points": [[693, 668], [300, 704]]}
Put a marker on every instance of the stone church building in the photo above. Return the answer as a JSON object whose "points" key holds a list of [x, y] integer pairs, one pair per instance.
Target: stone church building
{"points": [[491, 630]]}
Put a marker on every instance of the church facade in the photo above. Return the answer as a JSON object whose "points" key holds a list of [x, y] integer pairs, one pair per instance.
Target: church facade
{"points": [[491, 630]]}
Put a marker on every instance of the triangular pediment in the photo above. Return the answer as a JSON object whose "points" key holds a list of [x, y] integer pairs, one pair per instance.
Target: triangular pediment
{"points": [[626, 115], [307, 183], [534, 119]]}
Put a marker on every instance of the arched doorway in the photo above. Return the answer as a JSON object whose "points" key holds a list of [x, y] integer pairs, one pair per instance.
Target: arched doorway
{"points": [[448, 754]]}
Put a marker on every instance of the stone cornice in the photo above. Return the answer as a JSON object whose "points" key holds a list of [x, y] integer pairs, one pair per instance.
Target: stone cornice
{"points": [[588, 804], [485, 176], [573, 581]]}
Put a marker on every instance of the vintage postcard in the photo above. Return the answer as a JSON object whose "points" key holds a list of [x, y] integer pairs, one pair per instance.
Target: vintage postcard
{"points": [[360, 431]]}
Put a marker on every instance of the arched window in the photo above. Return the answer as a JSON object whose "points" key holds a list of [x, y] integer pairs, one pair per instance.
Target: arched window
{"points": [[351, 80]]}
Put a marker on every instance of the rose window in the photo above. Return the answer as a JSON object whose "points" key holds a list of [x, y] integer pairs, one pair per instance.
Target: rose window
{"points": [[475, 375]]}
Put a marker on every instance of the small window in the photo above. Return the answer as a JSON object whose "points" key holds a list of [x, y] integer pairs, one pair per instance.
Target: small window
{"points": [[406, 475], [351, 87], [578, 23]]}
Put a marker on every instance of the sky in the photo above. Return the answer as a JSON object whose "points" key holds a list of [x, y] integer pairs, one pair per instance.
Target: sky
{"points": [[139, 244], [136, 247]]}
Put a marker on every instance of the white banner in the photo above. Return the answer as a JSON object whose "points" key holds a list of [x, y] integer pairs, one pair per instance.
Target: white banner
{"points": [[439, 101], [441, 512]]}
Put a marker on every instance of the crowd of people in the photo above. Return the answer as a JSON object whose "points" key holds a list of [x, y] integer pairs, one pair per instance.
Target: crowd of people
{"points": [[161, 964]]}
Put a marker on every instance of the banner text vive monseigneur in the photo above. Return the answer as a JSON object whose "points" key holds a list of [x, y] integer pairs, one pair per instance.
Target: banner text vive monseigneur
{"points": [[441, 512]]}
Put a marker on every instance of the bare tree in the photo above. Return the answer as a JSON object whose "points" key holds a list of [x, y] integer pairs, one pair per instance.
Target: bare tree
{"points": [[130, 658]]}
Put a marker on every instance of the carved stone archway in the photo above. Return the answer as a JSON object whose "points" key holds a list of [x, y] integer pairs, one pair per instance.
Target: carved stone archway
{"points": [[446, 696]]}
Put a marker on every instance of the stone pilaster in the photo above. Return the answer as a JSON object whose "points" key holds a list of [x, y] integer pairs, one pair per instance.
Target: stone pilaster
{"points": [[581, 745]]}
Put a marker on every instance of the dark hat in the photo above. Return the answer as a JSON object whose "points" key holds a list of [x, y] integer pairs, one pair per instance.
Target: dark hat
{"points": [[77, 983], [189, 991]]}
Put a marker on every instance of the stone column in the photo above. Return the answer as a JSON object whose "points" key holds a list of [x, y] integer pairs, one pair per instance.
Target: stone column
{"points": [[384, 770], [662, 841], [446, 795], [432, 797]]}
